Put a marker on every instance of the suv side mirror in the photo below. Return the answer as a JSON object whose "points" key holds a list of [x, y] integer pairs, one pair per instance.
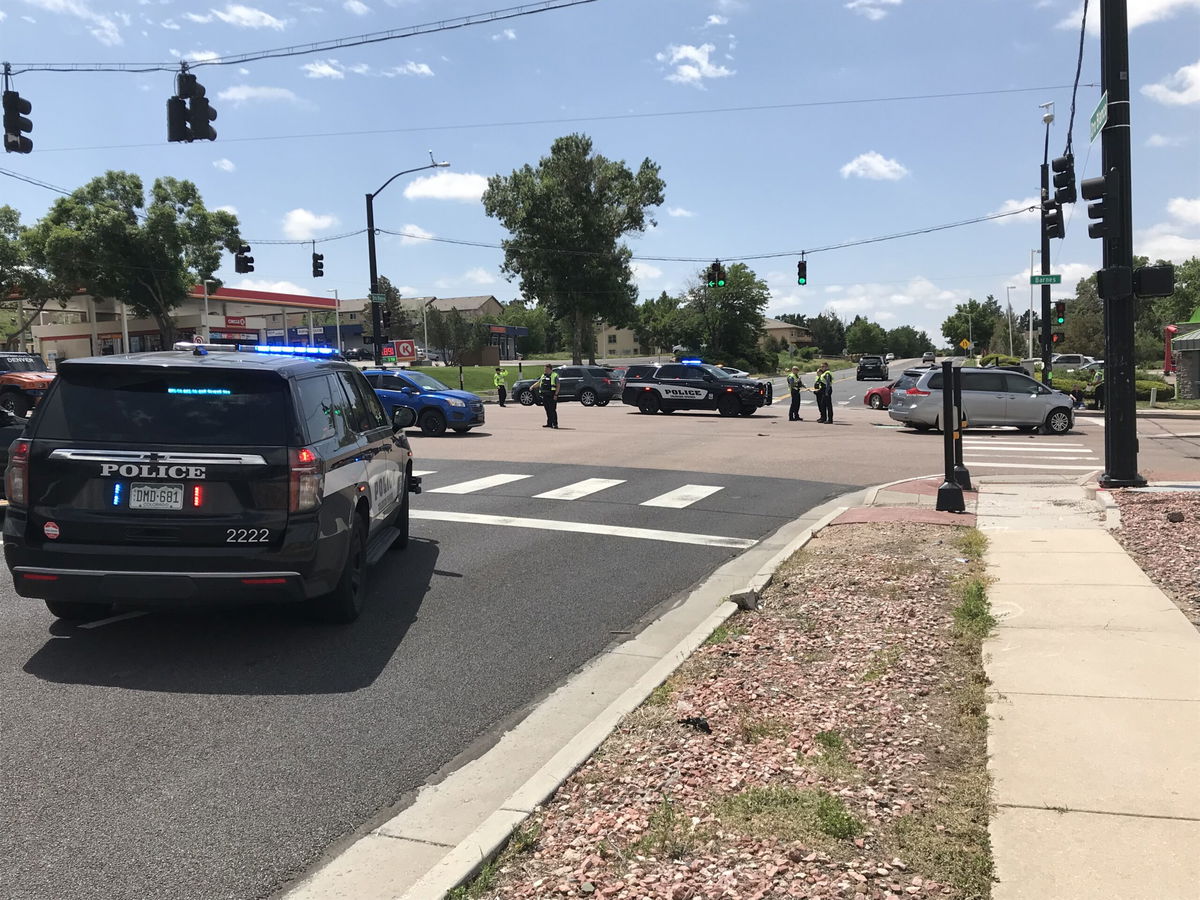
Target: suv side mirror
{"points": [[402, 417]]}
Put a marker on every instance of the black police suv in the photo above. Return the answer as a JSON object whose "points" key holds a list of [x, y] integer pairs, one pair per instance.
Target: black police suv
{"points": [[694, 386], [871, 366], [204, 473]]}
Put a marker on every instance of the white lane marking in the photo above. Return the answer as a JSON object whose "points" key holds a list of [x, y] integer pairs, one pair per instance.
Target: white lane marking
{"points": [[478, 484], [117, 618], [1053, 459], [1017, 448], [647, 534], [422, 472], [580, 489], [999, 465], [1011, 442], [681, 497]]}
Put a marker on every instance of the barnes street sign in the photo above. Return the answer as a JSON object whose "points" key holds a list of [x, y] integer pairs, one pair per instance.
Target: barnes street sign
{"points": [[1045, 279], [378, 298], [1099, 116]]}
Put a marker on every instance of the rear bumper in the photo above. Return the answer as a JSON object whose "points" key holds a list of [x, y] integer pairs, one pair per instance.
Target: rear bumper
{"points": [[157, 589]]}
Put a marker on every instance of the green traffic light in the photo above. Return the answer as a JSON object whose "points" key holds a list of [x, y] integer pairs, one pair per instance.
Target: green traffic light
{"points": [[721, 283], [801, 281]]}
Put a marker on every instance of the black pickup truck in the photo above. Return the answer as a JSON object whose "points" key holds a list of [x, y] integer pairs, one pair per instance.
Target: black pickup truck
{"points": [[694, 386]]}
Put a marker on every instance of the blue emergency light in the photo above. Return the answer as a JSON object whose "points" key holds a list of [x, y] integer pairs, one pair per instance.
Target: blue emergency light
{"points": [[691, 361], [294, 351]]}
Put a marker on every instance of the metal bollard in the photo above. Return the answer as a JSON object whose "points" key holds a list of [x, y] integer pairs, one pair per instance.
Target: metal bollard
{"points": [[950, 494]]}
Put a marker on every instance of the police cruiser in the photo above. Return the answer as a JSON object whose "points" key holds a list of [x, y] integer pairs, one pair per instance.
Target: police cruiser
{"points": [[206, 473], [692, 384]]}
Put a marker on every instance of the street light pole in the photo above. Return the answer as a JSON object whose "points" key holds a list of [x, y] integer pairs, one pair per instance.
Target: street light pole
{"points": [[376, 314], [337, 315], [1010, 288], [1030, 322]]}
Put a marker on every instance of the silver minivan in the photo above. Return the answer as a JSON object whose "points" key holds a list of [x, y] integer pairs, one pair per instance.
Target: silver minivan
{"points": [[989, 397]]}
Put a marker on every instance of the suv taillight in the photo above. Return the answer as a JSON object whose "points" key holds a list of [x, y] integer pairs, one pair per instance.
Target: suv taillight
{"points": [[16, 480], [917, 392], [306, 481]]}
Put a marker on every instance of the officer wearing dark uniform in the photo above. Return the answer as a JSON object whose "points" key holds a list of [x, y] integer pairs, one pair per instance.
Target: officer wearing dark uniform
{"points": [[548, 391], [795, 385], [824, 391]]}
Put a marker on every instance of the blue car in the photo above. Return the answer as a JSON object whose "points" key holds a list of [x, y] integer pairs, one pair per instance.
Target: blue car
{"points": [[437, 406]]}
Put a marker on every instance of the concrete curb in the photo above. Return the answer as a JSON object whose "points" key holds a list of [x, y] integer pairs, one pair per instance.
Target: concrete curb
{"points": [[1186, 414], [486, 841], [1107, 503]]}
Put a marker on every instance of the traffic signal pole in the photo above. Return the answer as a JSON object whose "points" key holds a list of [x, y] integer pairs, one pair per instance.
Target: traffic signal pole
{"points": [[1047, 371], [1120, 306]]}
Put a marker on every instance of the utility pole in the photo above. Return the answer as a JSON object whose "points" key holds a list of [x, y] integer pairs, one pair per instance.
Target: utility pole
{"points": [[1047, 369], [1115, 281]]}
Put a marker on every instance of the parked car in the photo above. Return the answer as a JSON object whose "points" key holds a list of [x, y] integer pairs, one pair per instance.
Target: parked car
{"points": [[24, 378], [1031, 366], [590, 385], [889, 357], [1069, 361], [990, 397], [437, 406], [736, 373], [871, 366], [359, 353], [928, 357], [879, 397], [1096, 365]]}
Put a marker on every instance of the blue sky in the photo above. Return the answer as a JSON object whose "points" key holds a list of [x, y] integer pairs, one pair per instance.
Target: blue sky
{"points": [[672, 80]]}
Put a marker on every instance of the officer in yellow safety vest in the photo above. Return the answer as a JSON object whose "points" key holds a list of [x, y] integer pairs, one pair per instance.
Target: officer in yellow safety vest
{"points": [[823, 388], [498, 381], [548, 392], [795, 385]]}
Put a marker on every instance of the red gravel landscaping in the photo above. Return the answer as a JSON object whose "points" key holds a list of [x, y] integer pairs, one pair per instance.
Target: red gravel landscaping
{"points": [[1168, 551]]}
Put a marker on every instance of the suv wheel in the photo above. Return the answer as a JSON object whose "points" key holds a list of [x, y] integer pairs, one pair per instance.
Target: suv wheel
{"points": [[1059, 421], [73, 611], [525, 398], [432, 423], [602, 403], [343, 604], [729, 405], [587, 397], [648, 403], [747, 410], [401, 523]]}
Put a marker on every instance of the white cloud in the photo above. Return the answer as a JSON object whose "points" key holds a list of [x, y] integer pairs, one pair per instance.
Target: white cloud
{"points": [[467, 187], [302, 224], [170, 25], [1165, 242], [324, 68], [244, 93], [874, 10], [357, 7], [1161, 140], [643, 271], [1185, 209], [692, 64], [243, 71], [196, 17], [875, 167], [1180, 89], [508, 34], [414, 234], [1012, 206], [409, 68], [3, 15], [1141, 12], [225, 165], [716, 20], [232, 210], [248, 17], [274, 287], [200, 55], [101, 27], [480, 275], [678, 212]]}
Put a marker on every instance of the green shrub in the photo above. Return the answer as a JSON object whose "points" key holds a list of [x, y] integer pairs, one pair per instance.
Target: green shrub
{"points": [[999, 359]]}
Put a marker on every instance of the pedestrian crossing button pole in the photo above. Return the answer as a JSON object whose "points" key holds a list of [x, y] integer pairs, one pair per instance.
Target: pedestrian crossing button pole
{"points": [[950, 493], [961, 476]]}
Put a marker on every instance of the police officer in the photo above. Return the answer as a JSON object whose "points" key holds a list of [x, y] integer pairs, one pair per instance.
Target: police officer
{"points": [[498, 382], [823, 388], [548, 391], [795, 385]]}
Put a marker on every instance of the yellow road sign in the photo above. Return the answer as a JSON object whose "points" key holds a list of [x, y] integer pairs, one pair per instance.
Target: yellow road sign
{"points": [[964, 343]]}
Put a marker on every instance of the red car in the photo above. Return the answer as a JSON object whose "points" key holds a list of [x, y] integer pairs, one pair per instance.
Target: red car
{"points": [[879, 397]]}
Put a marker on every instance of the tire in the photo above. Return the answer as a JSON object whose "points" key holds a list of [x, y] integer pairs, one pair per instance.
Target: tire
{"points": [[747, 410], [16, 403], [858, 377], [401, 524], [461, 429], [919, 426], [602, 403], [73, 611], [728, 405], [1058, 421], [525, 398], [343, 604], [433, 423], [648, 404], [667, 410], [876, 402], [587, 397]]}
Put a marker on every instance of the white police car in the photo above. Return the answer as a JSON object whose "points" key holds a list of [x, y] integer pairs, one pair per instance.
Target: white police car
{"points": [[206, 473]]}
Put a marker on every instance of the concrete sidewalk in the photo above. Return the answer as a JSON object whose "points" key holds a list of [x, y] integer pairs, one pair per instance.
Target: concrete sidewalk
{"points": [[1094, 727]]}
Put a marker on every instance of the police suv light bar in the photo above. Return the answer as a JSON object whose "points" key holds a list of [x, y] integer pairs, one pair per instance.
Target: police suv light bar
{"points": [[201, 349]]}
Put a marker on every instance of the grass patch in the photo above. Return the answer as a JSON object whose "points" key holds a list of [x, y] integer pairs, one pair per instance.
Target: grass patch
{"points": [[661, 695], [973, 617], [834, 758], [881, 662], [669, 834], [723, 633], [789, 813], [973, 543], [752, 730], [520, 842]]}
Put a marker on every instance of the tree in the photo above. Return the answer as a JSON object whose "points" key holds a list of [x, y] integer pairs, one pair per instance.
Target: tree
{"points": [[99, 240], [567, 218], [29, 286], [829, 332], [905, 341], [972, 320], [1085, 320], [400, 321], [659, 322], [726, 321], [537, 320], [865, 336], [794, 319]]}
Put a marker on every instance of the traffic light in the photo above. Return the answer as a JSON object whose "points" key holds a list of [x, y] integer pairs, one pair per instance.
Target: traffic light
{"points": [[242, 262], [802, 272], [193, 122], [720, 275], [1052, 220], [1060, 312], [200, 113], [1057, 337], [177, 121], [716, 275], [16, 126], [1105, 190], [318, 265], [1064, 179]]}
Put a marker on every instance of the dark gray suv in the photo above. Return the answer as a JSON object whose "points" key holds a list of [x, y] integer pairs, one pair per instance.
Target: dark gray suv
{"points": [[590, 385]]}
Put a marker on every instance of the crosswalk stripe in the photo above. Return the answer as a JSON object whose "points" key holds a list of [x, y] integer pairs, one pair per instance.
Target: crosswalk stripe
{"points": [[580, 489], [647, 534], [478, 484], [1017, 448], [681, 497], [983, 463], [1052, 459], [1010, 442]]}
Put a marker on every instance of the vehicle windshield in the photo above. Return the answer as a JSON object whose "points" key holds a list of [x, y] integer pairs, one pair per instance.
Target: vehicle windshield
{"points": [[425, 382], [23, 364]]}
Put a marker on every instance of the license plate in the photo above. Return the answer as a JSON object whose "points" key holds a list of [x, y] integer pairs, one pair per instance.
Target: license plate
{"points": [[156, 496]]}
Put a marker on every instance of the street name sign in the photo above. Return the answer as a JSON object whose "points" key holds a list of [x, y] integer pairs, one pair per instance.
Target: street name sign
{"points": [[1099, 116], [378, 298], [1045, 279]]}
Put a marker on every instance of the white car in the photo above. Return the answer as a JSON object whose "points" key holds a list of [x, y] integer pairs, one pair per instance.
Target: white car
{"points": [[736, 373], [890, 357]]}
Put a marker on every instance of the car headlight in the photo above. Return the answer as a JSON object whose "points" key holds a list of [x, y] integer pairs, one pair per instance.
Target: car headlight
{"points": [[454, 401]]}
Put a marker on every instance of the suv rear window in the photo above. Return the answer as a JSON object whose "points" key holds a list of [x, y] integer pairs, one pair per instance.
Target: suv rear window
{"points": [[138, 406], [22, 363], [633, 373], [905, 381], [870, 359]]}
